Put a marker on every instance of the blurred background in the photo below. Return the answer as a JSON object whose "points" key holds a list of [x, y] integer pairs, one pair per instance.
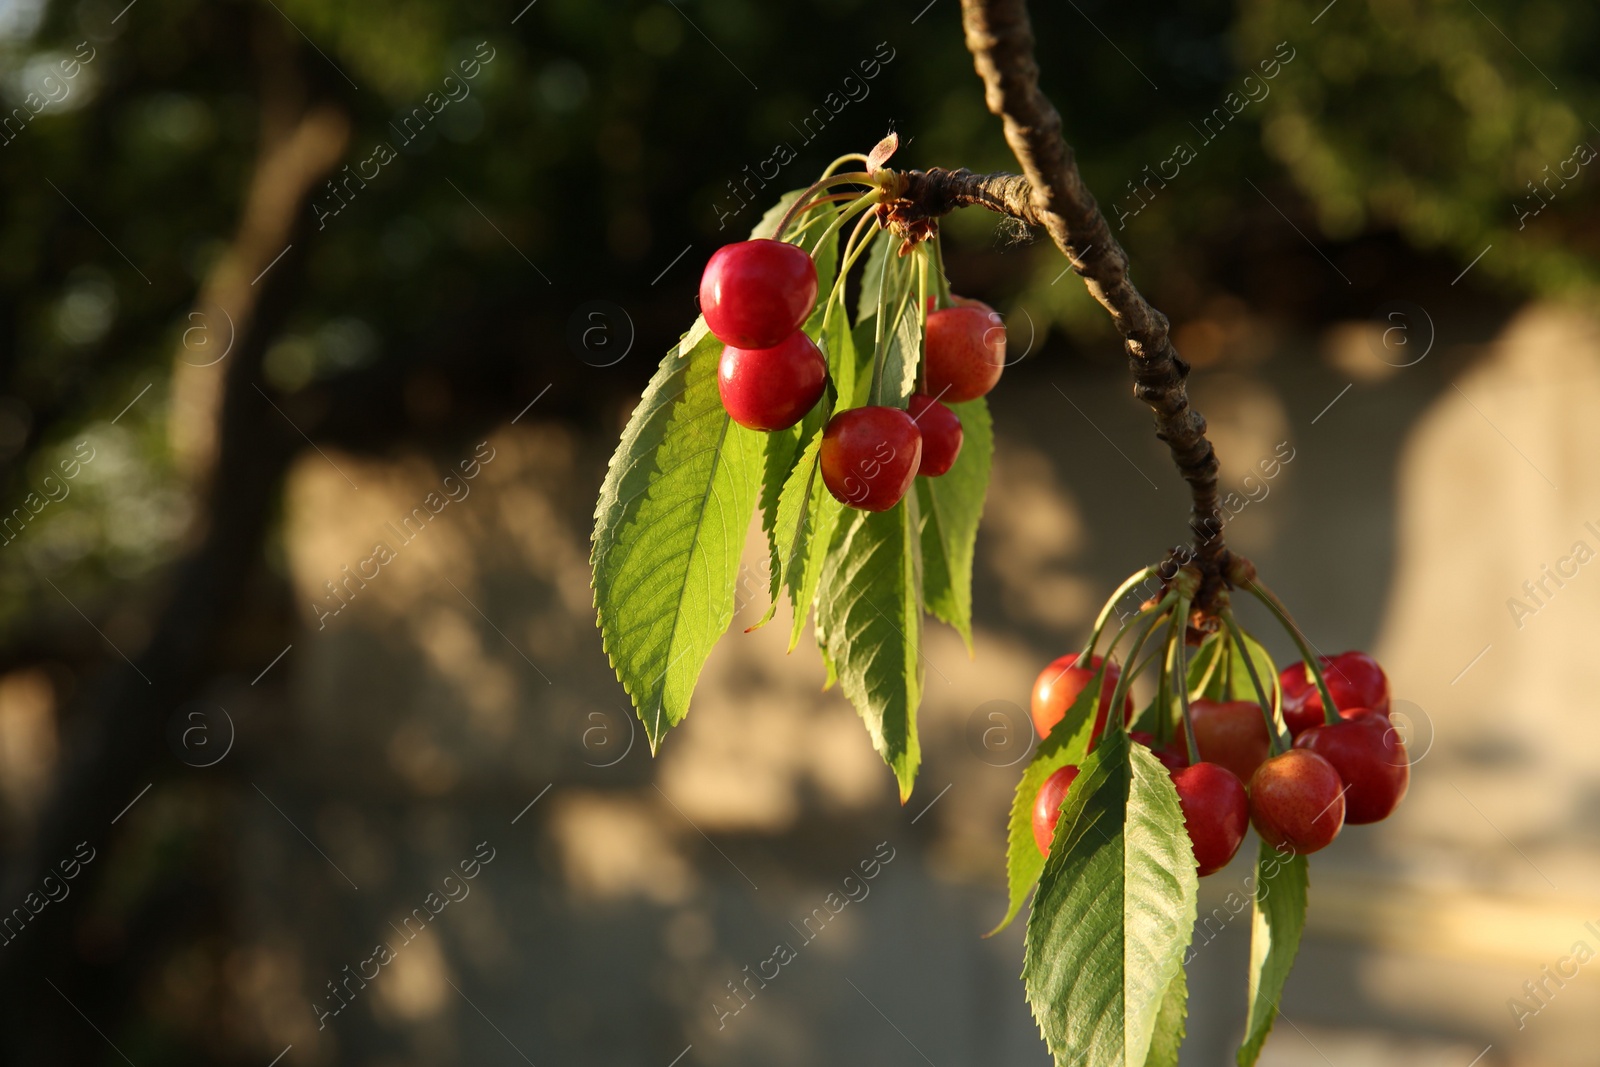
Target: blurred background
{"points": [[280, 281]]}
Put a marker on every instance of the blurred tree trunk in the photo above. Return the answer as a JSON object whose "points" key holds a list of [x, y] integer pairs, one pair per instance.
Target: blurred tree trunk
{"points": [[234, 447]]}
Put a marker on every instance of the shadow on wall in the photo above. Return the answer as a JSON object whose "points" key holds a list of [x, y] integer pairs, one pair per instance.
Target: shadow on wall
{"points": [[447, 698]]}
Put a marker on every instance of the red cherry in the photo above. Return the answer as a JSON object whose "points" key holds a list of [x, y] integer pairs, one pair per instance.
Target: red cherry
{"points": [[1172, 755], [1354, 679], [1231, 733], [941, 434], [1371, 761], [959, 301], [1297, 800], [772, 388], [1216, 812], [869, 456], [1059, 684], [1047, 807], [966, 352], [753, 294]]}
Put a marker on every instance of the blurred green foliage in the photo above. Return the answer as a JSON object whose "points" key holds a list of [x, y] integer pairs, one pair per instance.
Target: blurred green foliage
{"points": [[600, 142]]}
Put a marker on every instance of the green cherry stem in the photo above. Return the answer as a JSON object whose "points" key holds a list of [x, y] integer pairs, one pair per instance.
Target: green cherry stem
{"points": [[923, 255], [842, 160], [1278, 742], [1163, 703], [942, 286], [1110, 606], [1125, 682], [799, 205], [878, 346], [1330, 714], [1183, 684], [853, 252], [860, 204]]}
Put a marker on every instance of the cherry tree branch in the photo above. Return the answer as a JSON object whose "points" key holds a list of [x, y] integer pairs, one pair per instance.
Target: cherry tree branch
{"points": [[1051, 193]]}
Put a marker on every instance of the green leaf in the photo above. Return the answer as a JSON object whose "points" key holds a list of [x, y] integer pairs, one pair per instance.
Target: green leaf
{"points": [[799, 519], [1114, 911], [670, 525], [778, 462], [951, 506], [1242, 688], [1066, 746], [1278, 920], [871, 271], [1205, 669], [902, 346], [669, 529], [870, 619], [1168, 1036], [859, 360], [784, 446]]}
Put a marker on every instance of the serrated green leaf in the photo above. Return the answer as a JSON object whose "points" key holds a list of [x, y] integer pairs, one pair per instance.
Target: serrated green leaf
{"points": [[783, 446], [869, 616], [1114, 911], [777, 464], [951, 506], [1168, 1037], [1066, 746], [1277, 921], [902, 346], [670, 526], [669, 529], [799, 518]]}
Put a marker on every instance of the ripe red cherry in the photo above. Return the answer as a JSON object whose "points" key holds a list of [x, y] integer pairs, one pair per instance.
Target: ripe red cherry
{"points": [[959, 301], [1354, 679], [1297, 800], [1371, 761], [1216, 812], [1047, 807], [941, 434], [753, 294], [772, 388], [1231, 733], [966, 352], [869, 456], [1059, 684], [1172, 755]]}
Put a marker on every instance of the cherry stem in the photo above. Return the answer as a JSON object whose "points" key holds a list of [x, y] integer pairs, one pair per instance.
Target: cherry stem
{"points": [[878, 332], [1273, 734], [853, 252], [860, 204], [831, 198], [1211, 668], [1125, 682], [922, 313], [1163, 702], [1111, 605], [847, 157], [1330, 714], [942, 290], [1183, 682], [855, 177]]}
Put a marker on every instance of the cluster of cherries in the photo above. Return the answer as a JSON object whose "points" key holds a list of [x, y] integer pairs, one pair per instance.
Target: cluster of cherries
{"points": [[1355, 770], [756, 295]]}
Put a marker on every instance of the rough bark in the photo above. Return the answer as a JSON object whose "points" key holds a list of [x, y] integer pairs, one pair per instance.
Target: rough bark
{"points": [[1051, 193]]}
